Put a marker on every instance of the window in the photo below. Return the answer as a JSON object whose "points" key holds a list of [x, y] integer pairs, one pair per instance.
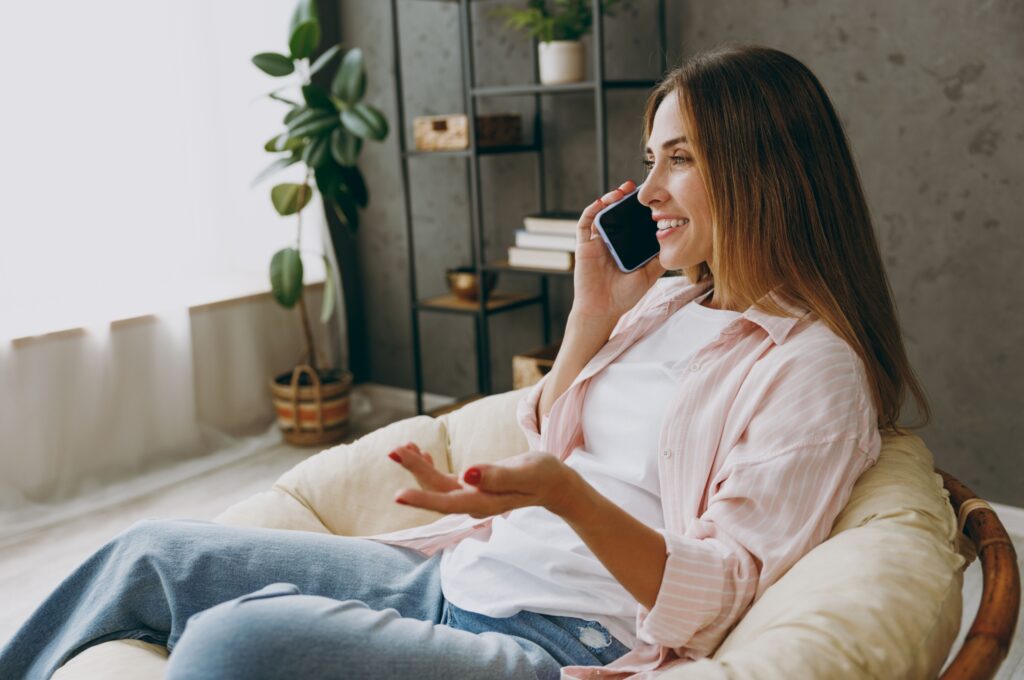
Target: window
{"points": [[132, 131]]}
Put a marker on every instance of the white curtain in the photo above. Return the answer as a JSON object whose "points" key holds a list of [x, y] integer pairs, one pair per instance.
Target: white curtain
{"points": [[132, 132], [97, 415]]}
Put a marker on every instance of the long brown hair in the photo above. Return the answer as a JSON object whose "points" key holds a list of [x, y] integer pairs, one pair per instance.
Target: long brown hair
{"points": [[787, 206]]}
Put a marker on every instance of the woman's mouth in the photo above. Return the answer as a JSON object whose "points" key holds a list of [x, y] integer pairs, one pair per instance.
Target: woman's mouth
{"points": [[667, 227]]}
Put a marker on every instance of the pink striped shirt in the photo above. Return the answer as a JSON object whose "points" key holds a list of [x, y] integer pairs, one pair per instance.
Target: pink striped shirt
{"points": [[759, 451]]}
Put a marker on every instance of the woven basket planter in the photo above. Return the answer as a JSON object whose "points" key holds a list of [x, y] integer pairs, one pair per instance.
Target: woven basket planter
{"points": [[320, 398]]}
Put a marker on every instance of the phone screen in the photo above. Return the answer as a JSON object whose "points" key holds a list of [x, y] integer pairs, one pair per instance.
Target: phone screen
{"points": [[629, 231]]}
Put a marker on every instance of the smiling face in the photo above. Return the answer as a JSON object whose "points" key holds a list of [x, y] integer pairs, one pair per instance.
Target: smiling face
{"points": [[675, 192]]}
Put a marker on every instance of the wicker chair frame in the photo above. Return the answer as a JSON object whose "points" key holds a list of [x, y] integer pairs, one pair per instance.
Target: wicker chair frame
{"points": [[989, 637]]}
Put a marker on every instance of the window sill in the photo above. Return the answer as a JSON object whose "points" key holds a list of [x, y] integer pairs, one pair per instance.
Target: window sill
{"points": [[209, 294]]}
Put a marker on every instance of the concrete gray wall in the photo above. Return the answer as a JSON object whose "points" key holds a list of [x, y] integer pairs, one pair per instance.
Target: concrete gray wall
{"points": [[932, 97]]}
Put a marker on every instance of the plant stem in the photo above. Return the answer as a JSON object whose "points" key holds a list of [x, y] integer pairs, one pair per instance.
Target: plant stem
{"points": [[304, 316], [307, 332], [298, 213]]}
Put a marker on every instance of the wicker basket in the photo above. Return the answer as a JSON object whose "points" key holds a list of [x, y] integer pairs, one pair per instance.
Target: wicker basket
{"points": [[529, 368], [321, 400]]}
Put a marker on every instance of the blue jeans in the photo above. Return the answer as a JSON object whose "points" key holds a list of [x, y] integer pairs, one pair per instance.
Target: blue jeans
{"points": [[233, 602]]}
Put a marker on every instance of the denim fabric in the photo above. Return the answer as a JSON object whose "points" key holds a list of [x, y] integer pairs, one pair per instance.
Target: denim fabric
{"points": [[234, 602]]}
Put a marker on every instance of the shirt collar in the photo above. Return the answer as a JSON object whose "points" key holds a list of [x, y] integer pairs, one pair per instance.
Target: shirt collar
{"points": [[778, 327], [682, 291]]}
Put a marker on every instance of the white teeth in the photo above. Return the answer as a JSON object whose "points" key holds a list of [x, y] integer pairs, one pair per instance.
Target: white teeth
{"points": [[668, 224]]}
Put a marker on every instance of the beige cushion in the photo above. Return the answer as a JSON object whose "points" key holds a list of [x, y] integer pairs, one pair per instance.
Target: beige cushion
{"points": [[880, 598]]}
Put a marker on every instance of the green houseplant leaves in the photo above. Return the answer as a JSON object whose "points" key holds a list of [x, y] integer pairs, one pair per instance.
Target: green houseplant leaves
{"points": [[323, 131], [286, 276], [564, 20]]}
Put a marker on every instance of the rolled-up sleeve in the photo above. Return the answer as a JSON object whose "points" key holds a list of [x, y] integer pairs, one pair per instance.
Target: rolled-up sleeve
{"points": [[526, 416], [762, 516]]}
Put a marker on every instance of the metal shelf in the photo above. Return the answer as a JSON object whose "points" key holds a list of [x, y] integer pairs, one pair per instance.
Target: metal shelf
{"points": [[504, 266], [498, 301], [582, 86], [480, 151]]}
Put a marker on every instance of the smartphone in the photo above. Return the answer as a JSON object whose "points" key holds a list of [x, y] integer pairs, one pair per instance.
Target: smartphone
{"points": [[629, 232]]}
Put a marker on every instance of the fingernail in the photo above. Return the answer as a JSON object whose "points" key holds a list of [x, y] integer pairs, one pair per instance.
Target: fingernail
{"points": [[401, 501], [395, 457], [472, 476]]}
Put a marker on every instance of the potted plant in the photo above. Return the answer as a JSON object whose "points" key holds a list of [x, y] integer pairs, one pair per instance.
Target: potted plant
{"points": [[324, 132], [560, 53]]}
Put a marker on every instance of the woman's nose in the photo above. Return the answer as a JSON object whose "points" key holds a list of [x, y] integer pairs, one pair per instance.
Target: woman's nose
{"points": [[648, 193]]}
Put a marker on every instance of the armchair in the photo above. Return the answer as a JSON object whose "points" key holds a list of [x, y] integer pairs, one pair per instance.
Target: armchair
{"points": [[880, 598]]}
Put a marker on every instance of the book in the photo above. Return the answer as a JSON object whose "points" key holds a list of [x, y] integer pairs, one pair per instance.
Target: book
{"points": [[554, 222], [540, 241], [541, 259]]}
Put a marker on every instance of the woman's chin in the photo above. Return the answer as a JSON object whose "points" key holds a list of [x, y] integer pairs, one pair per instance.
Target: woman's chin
{"points": [[670, 260]]}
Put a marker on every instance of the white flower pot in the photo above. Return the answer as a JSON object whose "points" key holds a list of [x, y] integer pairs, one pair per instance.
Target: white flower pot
{"points": [[561, 61]]}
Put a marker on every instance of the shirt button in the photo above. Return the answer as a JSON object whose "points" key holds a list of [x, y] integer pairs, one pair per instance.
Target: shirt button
{"points": [[666, 453], [694, 367]]}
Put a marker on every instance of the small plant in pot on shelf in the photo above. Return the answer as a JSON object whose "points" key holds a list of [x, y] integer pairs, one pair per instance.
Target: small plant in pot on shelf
{"points": [[558, 26], [324, 132]]}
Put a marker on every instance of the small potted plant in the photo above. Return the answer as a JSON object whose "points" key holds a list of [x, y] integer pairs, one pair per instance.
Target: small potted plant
{"points": [[324, 132], [558, 30]]}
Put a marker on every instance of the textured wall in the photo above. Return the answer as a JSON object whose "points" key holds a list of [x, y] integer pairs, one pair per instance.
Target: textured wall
{"points": [[931, 96]]}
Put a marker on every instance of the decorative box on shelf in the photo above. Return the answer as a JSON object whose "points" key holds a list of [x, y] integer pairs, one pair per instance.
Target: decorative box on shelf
{"points": [[529, 368], [451, 132]]}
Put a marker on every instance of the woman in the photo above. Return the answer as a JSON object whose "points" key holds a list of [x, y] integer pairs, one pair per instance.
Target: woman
{"points": [[695, 437]]}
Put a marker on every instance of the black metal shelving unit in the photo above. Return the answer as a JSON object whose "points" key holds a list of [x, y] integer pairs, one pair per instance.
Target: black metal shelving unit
{"points": [[499, 301]]}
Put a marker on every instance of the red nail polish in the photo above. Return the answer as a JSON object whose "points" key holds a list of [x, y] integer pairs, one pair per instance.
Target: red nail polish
{"points": [[395, 457], [472, 476], [403, 502]]}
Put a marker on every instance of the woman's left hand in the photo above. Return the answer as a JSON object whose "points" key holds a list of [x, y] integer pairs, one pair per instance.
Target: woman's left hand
{"points": [[530, 478]]}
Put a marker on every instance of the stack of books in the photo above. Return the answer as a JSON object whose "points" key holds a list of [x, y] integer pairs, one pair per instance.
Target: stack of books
{"points": [[547, 241]]}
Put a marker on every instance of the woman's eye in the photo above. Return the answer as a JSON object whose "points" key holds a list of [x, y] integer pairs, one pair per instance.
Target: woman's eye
{"points": [[676, 160]]}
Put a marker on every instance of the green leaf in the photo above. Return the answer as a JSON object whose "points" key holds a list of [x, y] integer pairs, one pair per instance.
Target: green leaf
{"points": [[303, 116], [305, 10], [274, 64], [314, 127], [283, 142], [316, 152], [327, 308], [322, 60], [365, 121], [316, 98], [271, 144], [289, 199], [345, 147], [353, 180], [279, 164], [350, 81], [286, 276], [290, 116], [304, 39], [275, 95]]}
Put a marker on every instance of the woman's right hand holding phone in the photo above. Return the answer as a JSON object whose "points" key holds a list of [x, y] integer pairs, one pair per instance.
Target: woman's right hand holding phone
{"points": [[601, 290]]}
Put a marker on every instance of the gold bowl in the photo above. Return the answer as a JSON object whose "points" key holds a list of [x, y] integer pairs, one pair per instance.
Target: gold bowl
{"points": [[462, 282]]}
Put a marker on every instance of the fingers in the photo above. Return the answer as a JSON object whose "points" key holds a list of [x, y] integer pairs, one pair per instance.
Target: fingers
{"points": [[585, 229], [528, 473], [464, 501], [421, 465]]}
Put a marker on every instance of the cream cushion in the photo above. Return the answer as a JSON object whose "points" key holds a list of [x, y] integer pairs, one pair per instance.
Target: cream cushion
{"points": [[879, 598]]}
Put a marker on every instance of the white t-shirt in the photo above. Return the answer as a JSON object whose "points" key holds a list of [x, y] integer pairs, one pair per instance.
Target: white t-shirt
{"points": [[532, 560]]}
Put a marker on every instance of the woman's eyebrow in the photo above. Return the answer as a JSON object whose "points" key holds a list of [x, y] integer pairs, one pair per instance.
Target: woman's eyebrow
{"points": [[672, 142]]}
